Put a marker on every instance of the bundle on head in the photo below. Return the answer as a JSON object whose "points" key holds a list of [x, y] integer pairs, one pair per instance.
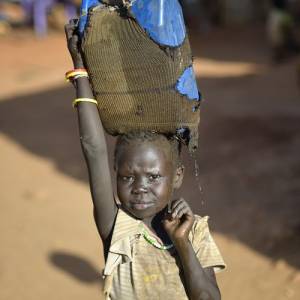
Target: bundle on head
{"points": [[140, 66]]}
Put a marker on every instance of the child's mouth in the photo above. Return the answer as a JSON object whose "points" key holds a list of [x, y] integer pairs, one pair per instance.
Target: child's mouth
{"points": [[142, 205]]}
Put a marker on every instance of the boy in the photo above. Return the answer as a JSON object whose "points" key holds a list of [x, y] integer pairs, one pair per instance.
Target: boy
{"points": [[154, 247]]}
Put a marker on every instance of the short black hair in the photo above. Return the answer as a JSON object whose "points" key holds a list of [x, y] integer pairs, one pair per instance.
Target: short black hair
{"points": [[148, 136]]}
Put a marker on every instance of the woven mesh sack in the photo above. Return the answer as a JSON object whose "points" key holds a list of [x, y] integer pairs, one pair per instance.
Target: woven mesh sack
{"points": [[134, 78]]}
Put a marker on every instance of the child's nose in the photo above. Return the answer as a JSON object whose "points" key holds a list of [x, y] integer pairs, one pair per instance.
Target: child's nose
{"points": [[140, 186]]}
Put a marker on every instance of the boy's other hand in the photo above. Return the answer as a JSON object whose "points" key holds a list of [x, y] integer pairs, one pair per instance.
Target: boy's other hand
{"points": [[179, 221], [74, 43]]}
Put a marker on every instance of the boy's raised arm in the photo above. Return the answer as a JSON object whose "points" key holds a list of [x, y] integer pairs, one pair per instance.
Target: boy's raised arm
{"points": [[93, 145]]}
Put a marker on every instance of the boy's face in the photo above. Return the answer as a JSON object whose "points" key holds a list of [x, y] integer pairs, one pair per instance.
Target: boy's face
{"points": [[146, 178]]}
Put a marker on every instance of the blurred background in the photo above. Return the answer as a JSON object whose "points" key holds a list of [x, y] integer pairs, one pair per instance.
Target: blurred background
{"points": [[248, 69]]}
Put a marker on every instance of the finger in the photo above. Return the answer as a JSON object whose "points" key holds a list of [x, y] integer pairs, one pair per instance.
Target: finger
{"points": [[182, 204], [182, 211], [74, 22], [70, 28], [170, 224], [68, 31], [176, 202], [177, 208], [168, 213], [187, 222]]}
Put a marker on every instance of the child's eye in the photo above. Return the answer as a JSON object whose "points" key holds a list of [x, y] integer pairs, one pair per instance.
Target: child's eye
{"points": [[127, 178], [154, 177]]}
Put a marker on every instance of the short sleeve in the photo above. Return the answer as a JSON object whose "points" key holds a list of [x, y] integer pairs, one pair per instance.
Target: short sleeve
{"points": [[204, 245]]}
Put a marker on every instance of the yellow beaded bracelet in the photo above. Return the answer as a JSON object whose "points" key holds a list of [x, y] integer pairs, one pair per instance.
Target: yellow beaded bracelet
{"points": [[76, 101], [77, 72]]}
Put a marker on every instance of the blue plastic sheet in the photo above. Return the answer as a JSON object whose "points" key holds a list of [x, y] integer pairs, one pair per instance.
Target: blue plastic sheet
{"points": [[85, 5], [162, 19], [187, 85]]}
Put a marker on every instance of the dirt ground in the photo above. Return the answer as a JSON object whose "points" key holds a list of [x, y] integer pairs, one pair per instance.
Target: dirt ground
{"points": [[249, 170]]}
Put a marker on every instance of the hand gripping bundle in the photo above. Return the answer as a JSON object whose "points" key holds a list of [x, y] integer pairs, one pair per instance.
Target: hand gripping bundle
{"points": [[140, 66]]}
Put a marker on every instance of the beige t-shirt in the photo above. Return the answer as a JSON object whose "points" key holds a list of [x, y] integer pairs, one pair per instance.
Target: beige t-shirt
{"points": [[135, 269]]}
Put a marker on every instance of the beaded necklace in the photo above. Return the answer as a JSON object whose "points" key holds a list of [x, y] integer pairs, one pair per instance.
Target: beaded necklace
{"points": [[153, 241]]}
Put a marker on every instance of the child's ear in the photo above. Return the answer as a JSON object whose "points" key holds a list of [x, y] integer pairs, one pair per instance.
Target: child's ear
{"points": [[178, 177]]}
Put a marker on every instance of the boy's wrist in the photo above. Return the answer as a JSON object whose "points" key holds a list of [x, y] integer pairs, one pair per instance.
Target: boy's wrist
{"points": [[181, 244], [78, 64]]}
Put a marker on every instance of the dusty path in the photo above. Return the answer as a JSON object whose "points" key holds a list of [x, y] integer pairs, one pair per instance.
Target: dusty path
{"points": [[249, 161]]}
